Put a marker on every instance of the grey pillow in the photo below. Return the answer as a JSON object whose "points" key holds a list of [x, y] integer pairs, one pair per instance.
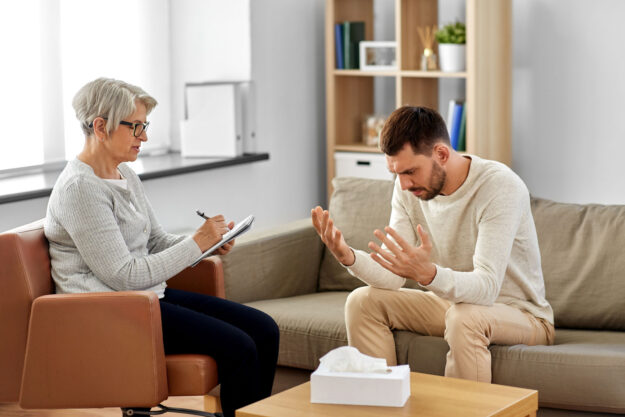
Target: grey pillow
{"points": [[583, 259], [358, 206]]}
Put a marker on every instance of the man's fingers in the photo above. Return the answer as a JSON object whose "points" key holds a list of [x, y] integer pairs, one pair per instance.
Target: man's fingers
{"points": [[381, 252], [423, 235], [400, 240], [388, 242], [383, 263]]}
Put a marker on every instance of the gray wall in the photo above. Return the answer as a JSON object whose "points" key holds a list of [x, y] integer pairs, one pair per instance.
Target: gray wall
{"points": [[569, 85]]}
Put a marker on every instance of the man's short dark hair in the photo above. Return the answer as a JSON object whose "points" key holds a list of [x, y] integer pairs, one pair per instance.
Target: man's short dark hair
{"points": [[420, 126]]}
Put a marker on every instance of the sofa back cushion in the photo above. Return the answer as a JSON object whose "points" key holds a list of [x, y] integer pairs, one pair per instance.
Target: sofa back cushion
{"points": [[358, 206], [583, 259]]}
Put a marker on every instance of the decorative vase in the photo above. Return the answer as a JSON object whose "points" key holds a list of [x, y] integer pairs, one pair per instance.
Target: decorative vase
{"points": [[452, 57]]}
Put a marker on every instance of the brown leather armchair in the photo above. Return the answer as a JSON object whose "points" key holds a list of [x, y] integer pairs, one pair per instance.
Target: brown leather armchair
{"points": [[89, 350]]}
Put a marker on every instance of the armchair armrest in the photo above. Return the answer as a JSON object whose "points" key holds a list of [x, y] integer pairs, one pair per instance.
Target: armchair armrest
{"points": [[207, 277], [94, 350], [280, 262]]}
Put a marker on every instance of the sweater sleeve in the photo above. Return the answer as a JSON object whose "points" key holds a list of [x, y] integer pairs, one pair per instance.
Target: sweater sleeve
{"points": [[371, 272], [497, 227], [88, 217]]}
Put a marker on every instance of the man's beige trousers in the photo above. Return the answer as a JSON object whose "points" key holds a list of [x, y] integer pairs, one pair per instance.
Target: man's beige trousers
{"points": [[372, 314]]}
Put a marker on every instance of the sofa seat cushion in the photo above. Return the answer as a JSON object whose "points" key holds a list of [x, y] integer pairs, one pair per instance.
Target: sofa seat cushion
{"points": [[590, 364], [310, 326]]}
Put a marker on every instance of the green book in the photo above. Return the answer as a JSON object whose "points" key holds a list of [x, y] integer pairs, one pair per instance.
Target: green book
{"points": [[353, 33], [462, 140]]}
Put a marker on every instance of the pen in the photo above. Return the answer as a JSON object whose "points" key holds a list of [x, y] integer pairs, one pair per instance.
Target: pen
{"points": [[201, 214]]}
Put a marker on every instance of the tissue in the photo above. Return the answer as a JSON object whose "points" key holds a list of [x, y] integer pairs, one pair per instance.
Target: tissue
{"points": [[349, 359]]}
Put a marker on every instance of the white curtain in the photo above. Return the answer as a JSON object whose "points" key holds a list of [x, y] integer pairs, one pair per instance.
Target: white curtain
{"points": [[50, 48], [123, 39]]}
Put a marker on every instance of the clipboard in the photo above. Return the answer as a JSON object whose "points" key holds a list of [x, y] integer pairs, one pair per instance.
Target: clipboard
{"points": [[238, 229]]}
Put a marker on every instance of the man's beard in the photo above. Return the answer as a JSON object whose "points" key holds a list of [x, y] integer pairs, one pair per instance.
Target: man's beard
{"points": [[437, 182]]}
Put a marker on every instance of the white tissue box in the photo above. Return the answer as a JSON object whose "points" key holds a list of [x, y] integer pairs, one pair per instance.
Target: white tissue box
{"points": [[355, 388]]}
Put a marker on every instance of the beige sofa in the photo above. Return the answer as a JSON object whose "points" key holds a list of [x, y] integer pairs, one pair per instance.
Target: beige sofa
{"points": [[287, 273]]}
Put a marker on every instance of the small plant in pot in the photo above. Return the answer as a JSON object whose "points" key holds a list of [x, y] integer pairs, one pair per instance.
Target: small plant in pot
{"points": [[451, 40]]}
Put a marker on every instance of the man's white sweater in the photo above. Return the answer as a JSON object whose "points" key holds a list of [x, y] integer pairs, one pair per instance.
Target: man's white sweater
{"points": [[484, 242]]}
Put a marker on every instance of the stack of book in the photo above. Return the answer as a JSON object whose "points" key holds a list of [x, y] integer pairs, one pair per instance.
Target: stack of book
{"points": [[347, 36], [456, 124]]}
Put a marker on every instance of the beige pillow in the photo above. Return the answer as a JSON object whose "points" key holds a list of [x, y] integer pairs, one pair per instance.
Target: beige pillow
{"points": [[583, 259], [358, 206]]}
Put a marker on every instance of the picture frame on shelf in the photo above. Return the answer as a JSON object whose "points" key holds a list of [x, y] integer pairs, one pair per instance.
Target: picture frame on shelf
{"points": [[378, 55]]}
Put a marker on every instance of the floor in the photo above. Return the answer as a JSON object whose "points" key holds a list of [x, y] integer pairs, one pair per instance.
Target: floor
{"points": [[285, 378], [13, 410]]}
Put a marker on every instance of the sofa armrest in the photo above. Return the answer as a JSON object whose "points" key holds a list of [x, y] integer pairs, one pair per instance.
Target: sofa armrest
{"points": [[94, 350], [207, 277], [280, 262]]}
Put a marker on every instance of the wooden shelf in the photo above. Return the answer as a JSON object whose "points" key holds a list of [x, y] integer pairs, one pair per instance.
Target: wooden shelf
{"points": [[433, 74], [395, 73], [358, 73], [486, 83], [357, 148]]}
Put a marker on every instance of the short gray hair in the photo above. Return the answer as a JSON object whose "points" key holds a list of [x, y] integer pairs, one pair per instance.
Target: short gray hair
{"points": [[110, 99]]}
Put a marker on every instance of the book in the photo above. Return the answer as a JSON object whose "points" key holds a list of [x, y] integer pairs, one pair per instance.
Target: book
{"points": [[353, 34], [238, 229], [450, 116], [455, 126], [462, 137], [338, 45]]}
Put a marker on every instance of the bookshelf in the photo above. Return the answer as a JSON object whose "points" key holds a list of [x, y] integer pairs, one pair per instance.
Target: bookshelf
{"points": [[487, 79]]}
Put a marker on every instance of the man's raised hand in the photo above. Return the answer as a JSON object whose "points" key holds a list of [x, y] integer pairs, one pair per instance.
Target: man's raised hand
{"points": [[331, 236]]}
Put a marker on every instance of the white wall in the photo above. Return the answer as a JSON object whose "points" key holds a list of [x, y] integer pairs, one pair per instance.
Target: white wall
{"points": [[569, 85], [287, 65]]}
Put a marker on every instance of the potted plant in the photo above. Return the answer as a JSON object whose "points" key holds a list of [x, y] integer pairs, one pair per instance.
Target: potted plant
{"points": [[451, 40]]}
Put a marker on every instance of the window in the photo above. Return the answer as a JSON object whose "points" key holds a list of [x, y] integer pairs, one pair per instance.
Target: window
{"points": [[51, 48], [62, 44]]}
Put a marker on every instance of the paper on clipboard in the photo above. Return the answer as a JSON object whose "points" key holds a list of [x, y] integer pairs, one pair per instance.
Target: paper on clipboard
{"points": [[238, 229]]}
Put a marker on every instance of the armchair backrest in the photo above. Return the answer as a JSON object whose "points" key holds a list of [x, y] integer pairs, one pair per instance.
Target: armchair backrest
{"points": [[24, 276]]}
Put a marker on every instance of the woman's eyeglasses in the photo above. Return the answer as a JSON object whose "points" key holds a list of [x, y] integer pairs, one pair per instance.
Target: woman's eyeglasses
{"points": [[137, 128]]}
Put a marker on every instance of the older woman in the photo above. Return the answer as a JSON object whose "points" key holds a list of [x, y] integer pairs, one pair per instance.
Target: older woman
{"points": [[104, 236]]}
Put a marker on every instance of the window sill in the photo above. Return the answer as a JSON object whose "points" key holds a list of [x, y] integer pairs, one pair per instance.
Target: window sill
{"points": [[36, 185]]}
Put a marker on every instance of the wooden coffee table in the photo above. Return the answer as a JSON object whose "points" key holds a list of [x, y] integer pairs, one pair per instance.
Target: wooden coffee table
{"points": [[430, 396]]}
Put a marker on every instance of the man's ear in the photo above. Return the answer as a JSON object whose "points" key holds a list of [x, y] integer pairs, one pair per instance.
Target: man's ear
{"points": [[99, 128], [440, 152]]}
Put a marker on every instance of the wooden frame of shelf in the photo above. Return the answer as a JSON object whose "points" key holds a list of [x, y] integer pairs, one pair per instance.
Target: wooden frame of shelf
{"points": [[350, 95]]}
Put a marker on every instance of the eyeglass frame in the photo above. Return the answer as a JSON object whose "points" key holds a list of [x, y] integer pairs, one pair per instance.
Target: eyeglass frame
{"points": [[144, 126]]}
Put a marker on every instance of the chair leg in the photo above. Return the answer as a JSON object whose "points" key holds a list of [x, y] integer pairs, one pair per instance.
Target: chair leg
{"points": [[127, 412]]}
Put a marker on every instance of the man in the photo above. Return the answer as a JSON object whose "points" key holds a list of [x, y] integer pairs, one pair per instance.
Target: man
{"points": [[462, 228]]}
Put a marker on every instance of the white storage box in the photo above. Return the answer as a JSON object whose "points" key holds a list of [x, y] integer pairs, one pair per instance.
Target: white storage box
{"points": [[213, 125], [361, 165], [354, 388]]}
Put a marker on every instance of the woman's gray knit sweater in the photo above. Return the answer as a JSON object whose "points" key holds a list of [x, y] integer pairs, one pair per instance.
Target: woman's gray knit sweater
{"points": [[105, 238]]}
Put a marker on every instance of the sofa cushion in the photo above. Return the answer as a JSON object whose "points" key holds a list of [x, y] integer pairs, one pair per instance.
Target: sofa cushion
{"points": [[358, 207], [310, 326], [583, 370], [582, 250]]}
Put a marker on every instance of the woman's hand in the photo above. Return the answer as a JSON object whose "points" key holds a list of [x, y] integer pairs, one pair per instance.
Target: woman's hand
{"points": [[228, 246], [210, 232]]}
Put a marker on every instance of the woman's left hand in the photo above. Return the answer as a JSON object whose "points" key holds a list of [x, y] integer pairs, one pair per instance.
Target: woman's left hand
{"points": [[228, 246]]}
